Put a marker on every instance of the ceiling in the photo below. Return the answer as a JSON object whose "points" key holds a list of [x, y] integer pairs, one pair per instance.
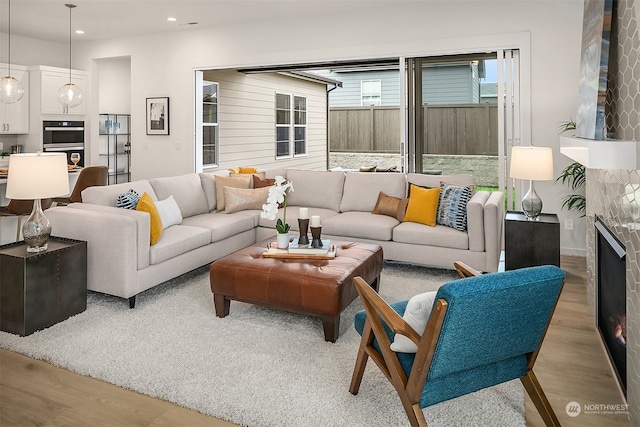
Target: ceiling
{"points": [[102, 19]]}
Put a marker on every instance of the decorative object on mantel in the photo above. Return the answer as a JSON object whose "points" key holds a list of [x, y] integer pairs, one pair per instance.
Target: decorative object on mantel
{"points": [[532, 163], [37, 176], [70, 95], [11, 90], [278, 195]]}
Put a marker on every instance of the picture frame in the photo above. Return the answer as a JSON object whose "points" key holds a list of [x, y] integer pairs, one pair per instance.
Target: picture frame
{"points": [[158, 116]]}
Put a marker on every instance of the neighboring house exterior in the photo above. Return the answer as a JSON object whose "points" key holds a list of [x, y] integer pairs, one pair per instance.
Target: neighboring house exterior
{"points": [[444, 83], [265, 119]]}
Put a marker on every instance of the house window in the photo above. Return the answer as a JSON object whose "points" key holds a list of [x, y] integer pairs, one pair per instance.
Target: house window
{"points": [[370, 92], [300, 125], [283, 125], [291, 125], [209, 123]]}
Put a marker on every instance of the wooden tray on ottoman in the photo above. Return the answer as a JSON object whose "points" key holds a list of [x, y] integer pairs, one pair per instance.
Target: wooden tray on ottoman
{"points": [[273, 252], [316, 287]]}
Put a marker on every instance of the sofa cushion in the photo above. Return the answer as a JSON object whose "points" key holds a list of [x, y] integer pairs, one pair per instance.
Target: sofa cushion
{"points": [[317, 189], [361, 189], [221, 225], [128, 200], [240, 199], [147, 205], [208, 181], [390, 206], [169, 212], [186, 190], [440, 235], [423, 205], [243, 181], [178, 240], [452, 207], [416, 315], [107, 195], [363, 225]]}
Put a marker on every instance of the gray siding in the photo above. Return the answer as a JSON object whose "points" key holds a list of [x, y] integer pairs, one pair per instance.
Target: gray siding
{"points": [[246, 117], [446, 84]]}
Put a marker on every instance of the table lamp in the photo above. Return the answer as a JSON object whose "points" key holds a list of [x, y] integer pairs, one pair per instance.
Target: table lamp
{"points": [[534, 164], [37, 176]]}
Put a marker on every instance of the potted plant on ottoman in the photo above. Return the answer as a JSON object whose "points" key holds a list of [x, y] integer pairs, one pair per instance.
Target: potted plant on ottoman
{"points": [[278, 197]]}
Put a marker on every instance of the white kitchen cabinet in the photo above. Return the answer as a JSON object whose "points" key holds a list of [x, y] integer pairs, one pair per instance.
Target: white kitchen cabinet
{"points": [[50, 80], [14, 118]]}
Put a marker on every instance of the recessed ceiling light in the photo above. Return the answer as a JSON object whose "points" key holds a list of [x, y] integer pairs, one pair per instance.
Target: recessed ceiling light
{"points": [[171, 19], [79, 32]]}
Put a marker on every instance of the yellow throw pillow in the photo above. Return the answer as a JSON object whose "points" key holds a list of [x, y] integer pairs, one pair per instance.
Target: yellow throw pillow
{"points": [[234, 181], [423, 205], [248, 170], [146, 204]]}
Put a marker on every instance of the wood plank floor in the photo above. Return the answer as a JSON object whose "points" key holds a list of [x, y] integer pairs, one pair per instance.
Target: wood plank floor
{"points": [[572, 366]]}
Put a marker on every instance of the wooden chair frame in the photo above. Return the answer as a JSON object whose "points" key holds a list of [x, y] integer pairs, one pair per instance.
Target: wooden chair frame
{"points": [[410, 389]]}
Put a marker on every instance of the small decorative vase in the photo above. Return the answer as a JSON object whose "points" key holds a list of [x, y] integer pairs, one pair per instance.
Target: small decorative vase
{"points": [[303, 225], [282, 240]]}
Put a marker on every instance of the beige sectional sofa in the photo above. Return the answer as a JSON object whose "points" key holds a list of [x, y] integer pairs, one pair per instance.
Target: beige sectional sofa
{"points": [[122, 262]]}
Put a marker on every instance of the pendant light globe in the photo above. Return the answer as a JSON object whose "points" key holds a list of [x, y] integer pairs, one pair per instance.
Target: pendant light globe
{"points": [[70, 95], [11, 90]]}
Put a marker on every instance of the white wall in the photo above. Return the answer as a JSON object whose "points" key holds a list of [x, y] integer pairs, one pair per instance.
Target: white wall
{"points": [[162, 65]]}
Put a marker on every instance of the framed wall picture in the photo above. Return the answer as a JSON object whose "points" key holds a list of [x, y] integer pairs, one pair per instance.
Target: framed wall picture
{"points": [[158, 116]]}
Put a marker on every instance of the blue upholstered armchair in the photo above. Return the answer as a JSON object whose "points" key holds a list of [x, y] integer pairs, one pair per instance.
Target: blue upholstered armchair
{"points": [[482, 331]]}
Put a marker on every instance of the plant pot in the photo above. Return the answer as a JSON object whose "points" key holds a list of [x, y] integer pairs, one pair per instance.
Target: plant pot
{"points": [[282, 240]]}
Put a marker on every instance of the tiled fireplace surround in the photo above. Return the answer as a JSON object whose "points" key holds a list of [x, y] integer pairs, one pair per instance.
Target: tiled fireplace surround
{"points": [[614, 194]]}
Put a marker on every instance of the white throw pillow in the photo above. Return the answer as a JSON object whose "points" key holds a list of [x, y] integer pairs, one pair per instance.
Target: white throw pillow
{"points": [[416, 315], [169, 212]]}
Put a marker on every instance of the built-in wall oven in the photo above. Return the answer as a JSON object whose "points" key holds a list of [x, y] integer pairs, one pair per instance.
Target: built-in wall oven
{"points": [[64, 137]]}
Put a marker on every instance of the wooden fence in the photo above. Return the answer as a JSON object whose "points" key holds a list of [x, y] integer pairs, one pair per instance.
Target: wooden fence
{"points": [[469, 129]]}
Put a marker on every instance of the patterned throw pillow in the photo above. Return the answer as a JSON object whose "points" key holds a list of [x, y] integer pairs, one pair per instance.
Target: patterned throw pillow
{"points": [[128, 200], [452, 207]]}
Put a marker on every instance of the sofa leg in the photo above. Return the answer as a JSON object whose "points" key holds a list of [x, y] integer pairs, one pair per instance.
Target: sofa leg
{"points": [[132, 302]]}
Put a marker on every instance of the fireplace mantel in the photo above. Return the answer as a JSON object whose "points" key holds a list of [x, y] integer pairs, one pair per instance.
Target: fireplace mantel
{"points": [[607, 154]]}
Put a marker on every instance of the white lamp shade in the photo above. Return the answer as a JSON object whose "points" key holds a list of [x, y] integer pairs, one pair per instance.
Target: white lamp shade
{"points": [[37, 176], [533, 163]]}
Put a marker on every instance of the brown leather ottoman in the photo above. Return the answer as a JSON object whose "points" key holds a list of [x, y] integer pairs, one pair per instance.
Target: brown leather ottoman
{"points": [[320, 288]]}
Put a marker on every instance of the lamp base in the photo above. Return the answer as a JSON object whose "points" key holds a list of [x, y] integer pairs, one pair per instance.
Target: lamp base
{"points": [[531, 204], [37, 229]]}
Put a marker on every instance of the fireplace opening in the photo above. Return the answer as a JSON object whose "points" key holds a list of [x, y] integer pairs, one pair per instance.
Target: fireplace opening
{"points": [[612, 299]]}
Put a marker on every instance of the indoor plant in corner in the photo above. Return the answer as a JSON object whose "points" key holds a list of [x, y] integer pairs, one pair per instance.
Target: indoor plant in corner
{"points": [[574, 176], [277, 197]]}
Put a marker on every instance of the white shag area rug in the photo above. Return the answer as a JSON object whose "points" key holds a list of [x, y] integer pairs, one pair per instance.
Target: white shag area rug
{"points": [[257, 366]]}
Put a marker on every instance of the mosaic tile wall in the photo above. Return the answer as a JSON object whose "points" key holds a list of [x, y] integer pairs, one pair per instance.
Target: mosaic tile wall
{"points": [[614, 195]]}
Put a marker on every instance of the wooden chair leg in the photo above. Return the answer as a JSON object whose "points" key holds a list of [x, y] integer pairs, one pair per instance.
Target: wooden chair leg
{"points": [[531, 384], [414, 413], [361, 360]]}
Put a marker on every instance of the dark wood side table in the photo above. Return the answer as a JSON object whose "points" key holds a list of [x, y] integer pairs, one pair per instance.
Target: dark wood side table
{"points": [[531, 243], [38, 290]]}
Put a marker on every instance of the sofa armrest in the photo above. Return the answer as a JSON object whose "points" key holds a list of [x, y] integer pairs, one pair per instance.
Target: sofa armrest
{"points": [[475, 221], [493, 219], [116, 248], [485, 212]]}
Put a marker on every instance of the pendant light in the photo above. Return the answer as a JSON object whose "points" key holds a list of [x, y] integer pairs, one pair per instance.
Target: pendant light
{"points": [[70, 95], [11, 90]]}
